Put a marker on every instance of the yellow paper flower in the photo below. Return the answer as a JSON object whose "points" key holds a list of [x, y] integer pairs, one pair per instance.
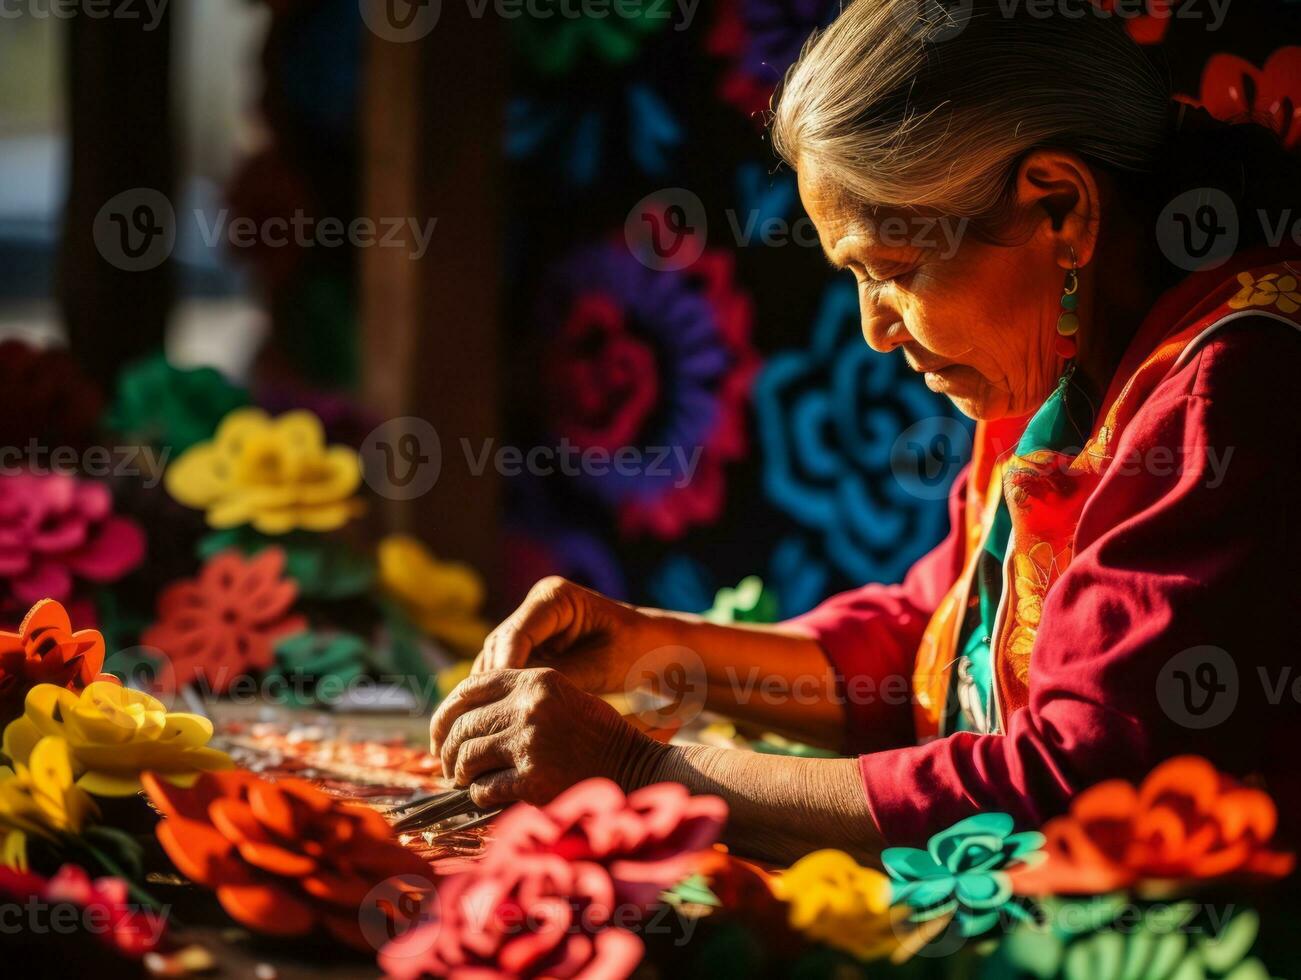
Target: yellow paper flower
{"points": [[833, 900], [442, 598], [42, 798], [114, 734], [1270, 289], [276, 474]]}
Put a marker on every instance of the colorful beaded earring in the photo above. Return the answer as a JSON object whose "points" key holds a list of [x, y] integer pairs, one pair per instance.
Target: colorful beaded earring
{"points": [[1068, 324]]}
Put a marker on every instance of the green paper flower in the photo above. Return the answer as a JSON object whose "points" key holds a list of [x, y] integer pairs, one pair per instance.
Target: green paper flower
{"points": [[158, 404], [962, 872], [555, 45], [749, 602], [323, 567], [1080, 940], [314, 663]]}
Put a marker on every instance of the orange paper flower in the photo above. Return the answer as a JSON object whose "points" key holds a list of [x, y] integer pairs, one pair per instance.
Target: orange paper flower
{"points": [[285, 859], [45, 650], [1186, 821], [226, 622]]}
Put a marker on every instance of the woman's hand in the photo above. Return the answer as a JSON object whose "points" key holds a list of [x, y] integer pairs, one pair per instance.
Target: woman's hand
{"points": [[529, 734], [592, 640]]}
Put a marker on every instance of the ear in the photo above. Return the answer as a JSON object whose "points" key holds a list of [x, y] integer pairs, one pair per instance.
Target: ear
{"points": [[1057, 195]]}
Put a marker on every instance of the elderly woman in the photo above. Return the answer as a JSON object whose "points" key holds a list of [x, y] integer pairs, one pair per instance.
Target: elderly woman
{"points": [[1120, 581]]}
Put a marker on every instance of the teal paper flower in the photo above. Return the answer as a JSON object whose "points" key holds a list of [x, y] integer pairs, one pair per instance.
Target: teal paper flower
{"points": [[159, 404], [1080, 940], [317, 667], [323, 567], [963, 872], [749, 602]]}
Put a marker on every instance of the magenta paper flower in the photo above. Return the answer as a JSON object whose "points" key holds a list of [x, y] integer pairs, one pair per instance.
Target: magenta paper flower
{"points": [[54, 527], [545, 899], [117, 920]]}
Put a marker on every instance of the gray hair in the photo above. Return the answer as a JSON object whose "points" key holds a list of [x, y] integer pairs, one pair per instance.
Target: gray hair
{"points": [[904, 109]]}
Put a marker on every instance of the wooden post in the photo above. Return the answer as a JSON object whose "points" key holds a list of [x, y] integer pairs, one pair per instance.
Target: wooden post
{"points": [[433, 118]]}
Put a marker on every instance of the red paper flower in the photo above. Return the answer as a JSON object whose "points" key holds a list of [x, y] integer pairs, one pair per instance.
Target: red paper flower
{"points": [[54, 527], [285, 859], [104, 902], [226, 622], [545, 899], [45, 650], [1236, 91], [1186, 821], [1145, 28], [45, 396]]}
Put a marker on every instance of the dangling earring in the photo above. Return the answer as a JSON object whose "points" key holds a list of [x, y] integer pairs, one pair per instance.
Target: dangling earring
{"points": [[1068, 324]]}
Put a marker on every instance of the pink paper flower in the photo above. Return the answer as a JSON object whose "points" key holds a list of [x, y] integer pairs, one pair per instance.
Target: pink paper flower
{"points": [[104, 903], [557, 884], [54, 527]]}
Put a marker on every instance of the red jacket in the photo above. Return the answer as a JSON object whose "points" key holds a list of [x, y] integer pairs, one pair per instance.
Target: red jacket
{"points": [[1174, 629]]}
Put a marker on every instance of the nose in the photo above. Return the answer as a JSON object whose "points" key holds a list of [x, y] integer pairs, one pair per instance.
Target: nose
{"points": [[883, 327]]}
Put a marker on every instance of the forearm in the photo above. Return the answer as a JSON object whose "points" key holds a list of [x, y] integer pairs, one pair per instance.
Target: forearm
{"points": [[768, 675], [781, 808]]}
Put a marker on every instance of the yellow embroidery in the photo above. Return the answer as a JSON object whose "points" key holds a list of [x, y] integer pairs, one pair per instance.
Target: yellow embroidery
{"points": [[1034, 572], [1269, 290]]}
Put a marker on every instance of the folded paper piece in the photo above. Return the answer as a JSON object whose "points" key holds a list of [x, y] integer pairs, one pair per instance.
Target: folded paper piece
{"points": [[113, 735], [1185, 822], [226, 623], [276, 474], [39, 796], [285, 859], [54, 529]]}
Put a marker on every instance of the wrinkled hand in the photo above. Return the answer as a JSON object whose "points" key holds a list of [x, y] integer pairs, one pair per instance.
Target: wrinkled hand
{"points": [[592, 640], [529, 734]]}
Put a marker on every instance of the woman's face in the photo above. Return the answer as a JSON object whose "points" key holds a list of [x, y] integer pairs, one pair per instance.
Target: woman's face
{"points": [[977, 320]]}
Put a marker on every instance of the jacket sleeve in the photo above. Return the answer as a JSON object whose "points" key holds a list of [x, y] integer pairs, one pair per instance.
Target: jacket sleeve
{"points": [[1185, 548], [870, 636]]}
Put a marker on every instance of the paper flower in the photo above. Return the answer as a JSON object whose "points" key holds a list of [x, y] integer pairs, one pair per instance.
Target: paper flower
{"points": [[276, 474], [318, 667], [114, 734], [749, 602], [828, 418], [54, 528], [442, 598], [321, 566], [656, 363], [1185, 822], [45, 650], [553, 45], [225, 623], [542, 900], [832, 900], [542, 916], [1236, 91], [118, 923], [45, 395], [284, 858], [963, 872], [163, 405], [40, 797], [1084, 940], [760, 39], [1149, 26]]}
